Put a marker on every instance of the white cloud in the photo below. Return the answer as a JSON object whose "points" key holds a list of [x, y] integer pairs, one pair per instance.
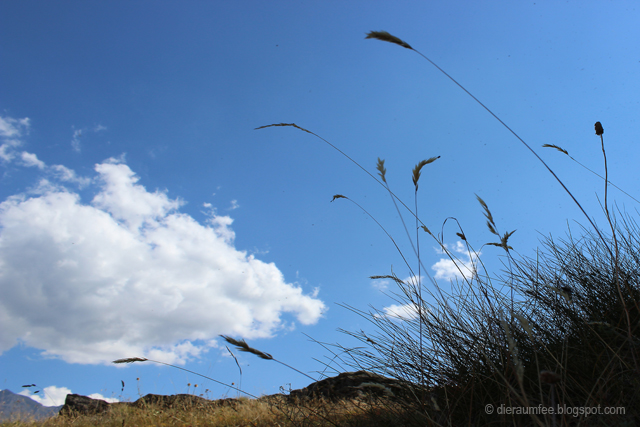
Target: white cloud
{"points": [[128, 275], [381, 284], [448, 270], [75, 141], [49, 396], [77, 134], [10, 128], [55, 396], [400, 312], [68, 175], [101, 397], [10, 132], [31, 160]]}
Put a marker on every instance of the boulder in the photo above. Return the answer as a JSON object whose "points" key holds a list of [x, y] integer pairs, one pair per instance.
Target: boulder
{"points": [[75, 405]]}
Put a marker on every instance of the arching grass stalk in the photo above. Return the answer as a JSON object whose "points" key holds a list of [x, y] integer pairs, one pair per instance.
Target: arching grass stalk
{"points": [[143, 359], [600, 131], [595, 173], [385, 36], [243, 346], [239, 368], [380, 168], [416, 177], [240, 344], [385, 185]]}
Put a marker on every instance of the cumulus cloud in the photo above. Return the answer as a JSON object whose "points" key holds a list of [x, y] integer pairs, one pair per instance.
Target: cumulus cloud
{"points": [[401, 312], [129, 275], [446, 269], [55, 396]]}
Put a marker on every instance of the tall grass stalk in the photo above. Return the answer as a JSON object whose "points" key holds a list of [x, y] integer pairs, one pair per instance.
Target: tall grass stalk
{"points": [[385, 36]]}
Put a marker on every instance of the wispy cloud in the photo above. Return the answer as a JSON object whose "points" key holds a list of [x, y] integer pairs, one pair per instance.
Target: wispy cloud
{"points": [[68, 175], [155, 282], [75, 141], [381, 284], [31, 160], [78, 133], [11, 130]]}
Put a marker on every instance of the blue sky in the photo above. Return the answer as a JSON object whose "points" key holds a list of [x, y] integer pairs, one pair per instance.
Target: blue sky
{"points": [[142, 215]]}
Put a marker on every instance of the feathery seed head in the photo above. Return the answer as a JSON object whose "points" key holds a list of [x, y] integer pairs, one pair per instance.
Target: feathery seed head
{"points": [[557, 148], [243, 346], [382, 170], [130, 360], [419, 166], [424, 227], [386, 37]]}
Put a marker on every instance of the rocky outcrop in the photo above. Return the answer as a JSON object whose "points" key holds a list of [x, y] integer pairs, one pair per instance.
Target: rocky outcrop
{"points": [[356, 385], [75, 404], [347, 385]]}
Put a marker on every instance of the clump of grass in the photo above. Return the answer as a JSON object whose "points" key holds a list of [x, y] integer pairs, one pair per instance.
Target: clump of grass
{"points": [[571, 340]]}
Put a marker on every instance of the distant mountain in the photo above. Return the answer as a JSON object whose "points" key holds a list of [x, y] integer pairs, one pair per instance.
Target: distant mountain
{"points": [[15, 406]]}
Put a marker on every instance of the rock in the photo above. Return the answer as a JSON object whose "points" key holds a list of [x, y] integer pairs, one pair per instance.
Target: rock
{"points": [[75, 405], [355, 385]]}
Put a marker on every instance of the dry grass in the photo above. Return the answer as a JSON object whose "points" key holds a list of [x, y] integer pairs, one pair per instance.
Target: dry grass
{"points": [[566, 333], [250, 412]]}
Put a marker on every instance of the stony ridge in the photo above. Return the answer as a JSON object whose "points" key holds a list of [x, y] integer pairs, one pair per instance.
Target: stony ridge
{"points": [[347, 385]]}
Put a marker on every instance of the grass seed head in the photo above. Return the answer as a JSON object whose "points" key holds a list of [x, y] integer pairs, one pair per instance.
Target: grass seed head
{"points": [[386, 37]]}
